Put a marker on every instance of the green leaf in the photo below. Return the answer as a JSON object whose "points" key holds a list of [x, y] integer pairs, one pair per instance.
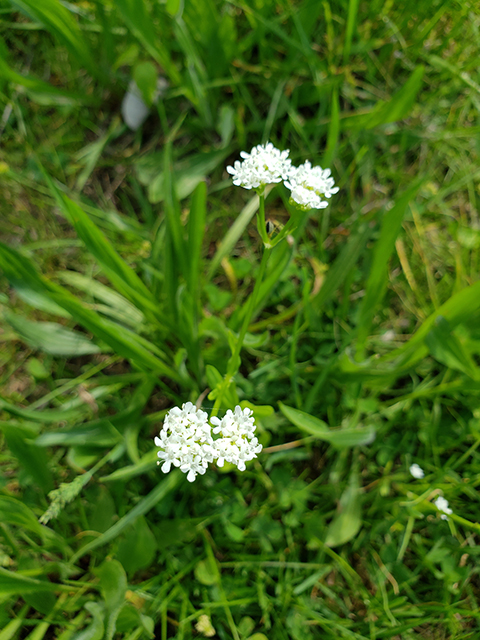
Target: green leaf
{"points": [[10, 631], [173, 6], [447, 349], [98, 433], [44, 416], [36, 369], [52, 337], [140, 23], [33, 459], [38, 300], [348, 521], [145, 76], [305, 421], [205, 573], [140, 509], [116, 305], [339, 438], [148, 462], [138, 549], [96, 629]]}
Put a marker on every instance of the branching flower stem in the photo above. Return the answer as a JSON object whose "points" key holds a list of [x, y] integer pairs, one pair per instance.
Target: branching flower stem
{"points": [[234, 362]]}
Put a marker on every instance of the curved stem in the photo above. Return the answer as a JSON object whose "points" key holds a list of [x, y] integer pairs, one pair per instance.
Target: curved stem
{"points": [[234, 361]]}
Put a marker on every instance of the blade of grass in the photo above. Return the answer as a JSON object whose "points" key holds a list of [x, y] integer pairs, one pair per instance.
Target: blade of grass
{"points": [[58, 20], [378, 277], [351, 23], [17, 267]]}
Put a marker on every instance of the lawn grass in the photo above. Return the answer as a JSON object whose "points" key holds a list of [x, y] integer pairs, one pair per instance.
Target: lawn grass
{"points": [[127, 263]]}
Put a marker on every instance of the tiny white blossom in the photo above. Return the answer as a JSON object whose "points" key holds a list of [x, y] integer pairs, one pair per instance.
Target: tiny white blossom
{"points": [[308, 185], [265, 164], [417, 471], [205, 627], [442, 505]]}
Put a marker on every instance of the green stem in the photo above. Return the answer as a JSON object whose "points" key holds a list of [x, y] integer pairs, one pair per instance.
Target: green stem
{"points": [[261, 224], [234, 361]]}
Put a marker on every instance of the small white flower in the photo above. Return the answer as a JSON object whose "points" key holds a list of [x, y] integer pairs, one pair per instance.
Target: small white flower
{"points": [[264, 165], [417, 471], [205, 627], [308, 185], [442, 505]]}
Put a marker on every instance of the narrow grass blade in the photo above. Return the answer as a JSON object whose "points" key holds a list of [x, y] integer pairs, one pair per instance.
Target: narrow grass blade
{"points": [[60, 23], [12, 583], [378, 277], [115, 305], [395, 109], [339, 438], [44, 417], [122, 276], [233, 235], [98, 433], [51, 337], [196, 231], [351, 21], [333, 130], [18, 267], [40, 91], [148, 462], [137, 19], [10, 631], [461, 307], [13, 511], [341, 267], [172, 211]]}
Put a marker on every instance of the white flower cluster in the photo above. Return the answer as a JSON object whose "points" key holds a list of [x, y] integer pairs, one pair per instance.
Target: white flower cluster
{"points": [[263, 165], [268, 165], [187, 442], [308, 184], [442, 505]]}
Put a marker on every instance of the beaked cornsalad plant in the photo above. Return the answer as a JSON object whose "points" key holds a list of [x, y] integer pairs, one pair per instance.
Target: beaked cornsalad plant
{"points": [[360, 516], [186, 438]]}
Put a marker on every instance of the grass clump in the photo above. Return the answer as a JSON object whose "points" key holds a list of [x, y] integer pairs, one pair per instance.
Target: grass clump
{"points": [[133, 281]]}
